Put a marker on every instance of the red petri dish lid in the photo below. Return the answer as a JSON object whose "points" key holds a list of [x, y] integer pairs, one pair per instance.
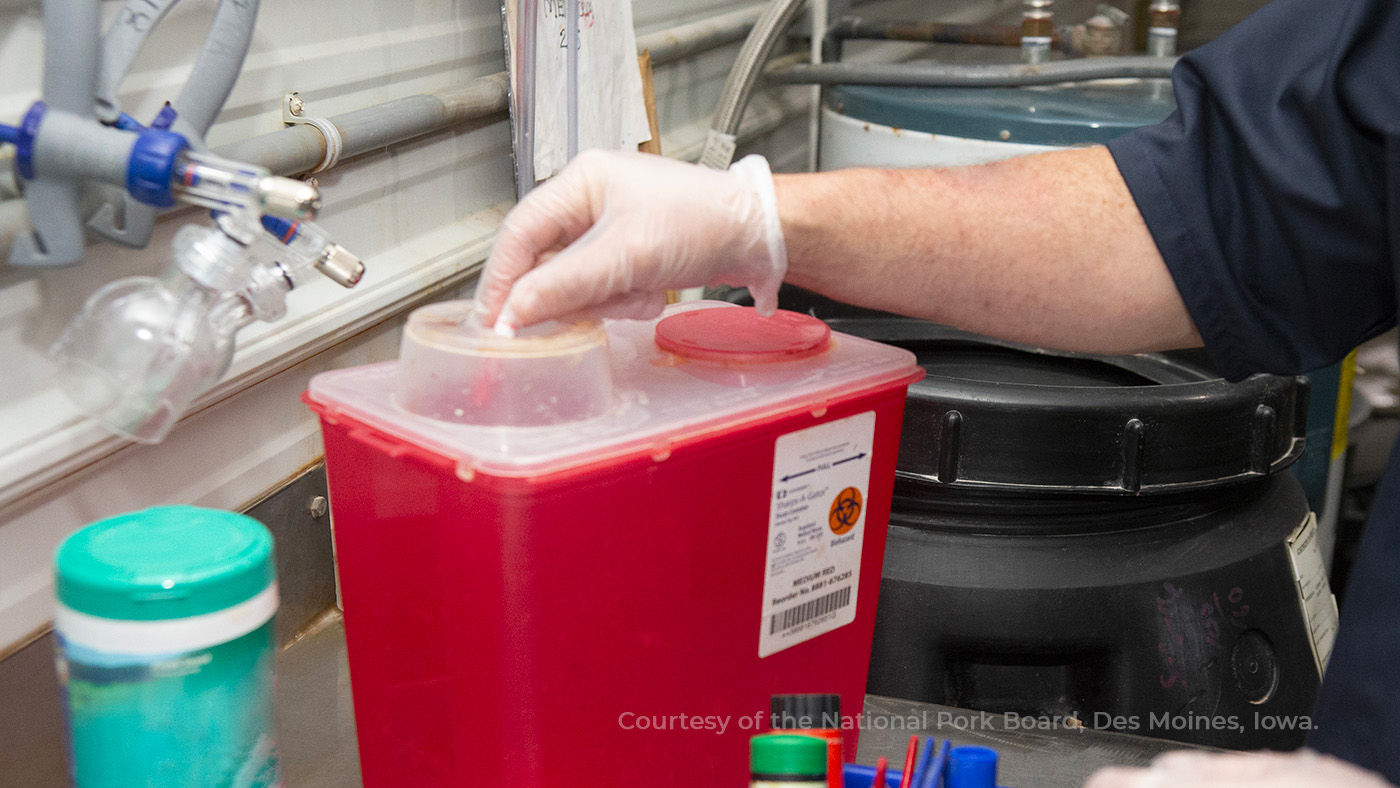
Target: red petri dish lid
{"points": [[740, 335]]}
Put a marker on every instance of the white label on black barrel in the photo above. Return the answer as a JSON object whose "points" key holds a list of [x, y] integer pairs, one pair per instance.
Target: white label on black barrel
{"points": [[1314, 593], [816, 531]]}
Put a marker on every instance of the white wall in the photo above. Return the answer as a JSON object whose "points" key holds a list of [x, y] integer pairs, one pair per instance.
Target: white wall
{"points": [[421, 214]]}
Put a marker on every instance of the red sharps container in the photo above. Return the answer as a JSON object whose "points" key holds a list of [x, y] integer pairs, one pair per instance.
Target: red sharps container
{"points": [[590, 554]]}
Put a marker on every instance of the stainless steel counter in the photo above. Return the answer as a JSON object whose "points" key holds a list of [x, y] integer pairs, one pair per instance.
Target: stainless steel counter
{"points": [[315, 721], [316, 727]]}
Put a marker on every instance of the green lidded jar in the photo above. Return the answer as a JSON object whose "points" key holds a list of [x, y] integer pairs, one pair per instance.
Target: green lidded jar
{"points": [[787, 760], [166, 648]]}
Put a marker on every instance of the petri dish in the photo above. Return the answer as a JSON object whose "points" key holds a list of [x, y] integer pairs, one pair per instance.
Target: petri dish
{"points": [[742, 336], [455, 370]]}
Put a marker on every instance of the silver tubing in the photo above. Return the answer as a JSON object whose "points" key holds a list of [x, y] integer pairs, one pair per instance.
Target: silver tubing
{"points": [[776, 19]]}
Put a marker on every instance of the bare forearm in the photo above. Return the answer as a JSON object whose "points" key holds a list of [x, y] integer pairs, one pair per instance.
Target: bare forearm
{"points": [[1048, 249]]}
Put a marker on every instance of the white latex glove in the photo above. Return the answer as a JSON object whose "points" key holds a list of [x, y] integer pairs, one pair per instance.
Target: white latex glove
{"points": [[1303, 769], [613, 231]]}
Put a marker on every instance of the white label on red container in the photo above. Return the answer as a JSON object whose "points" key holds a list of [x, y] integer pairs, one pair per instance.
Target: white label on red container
{"points": [[816, 530]]}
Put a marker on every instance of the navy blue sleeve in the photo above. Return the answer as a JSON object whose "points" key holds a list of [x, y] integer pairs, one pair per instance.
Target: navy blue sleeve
{"points": [[1266, 191]]}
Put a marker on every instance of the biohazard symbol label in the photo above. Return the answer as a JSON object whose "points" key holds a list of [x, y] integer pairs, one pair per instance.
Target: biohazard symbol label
{"points": [[845, 511]]}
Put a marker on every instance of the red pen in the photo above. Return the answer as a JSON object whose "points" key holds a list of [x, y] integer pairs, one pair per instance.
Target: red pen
{"points": [[907, 779], [880, 767]]}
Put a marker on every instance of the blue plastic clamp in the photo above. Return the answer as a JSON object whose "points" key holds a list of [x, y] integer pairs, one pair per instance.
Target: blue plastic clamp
{"points": [[24, 140], [164, 118], [127, 123], [152, 165]]}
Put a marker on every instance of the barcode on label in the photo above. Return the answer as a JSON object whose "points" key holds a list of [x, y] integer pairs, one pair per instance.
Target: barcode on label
{"points": [[797, 615]]}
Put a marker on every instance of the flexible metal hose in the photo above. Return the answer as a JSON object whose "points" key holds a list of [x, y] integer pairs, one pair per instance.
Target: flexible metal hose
{"points": [[738, 88]]}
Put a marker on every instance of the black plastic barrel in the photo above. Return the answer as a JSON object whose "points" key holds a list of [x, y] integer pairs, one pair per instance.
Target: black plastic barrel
{"points": [[1096, 541]]}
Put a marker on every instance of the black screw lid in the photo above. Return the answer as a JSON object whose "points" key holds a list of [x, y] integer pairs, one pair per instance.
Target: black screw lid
{"points": [[806, 711], [1002, 418]]}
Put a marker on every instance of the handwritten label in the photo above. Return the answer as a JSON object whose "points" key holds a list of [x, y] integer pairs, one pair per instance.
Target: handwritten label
{"points": [[1194, 630], [611, 110], [558, 11]]}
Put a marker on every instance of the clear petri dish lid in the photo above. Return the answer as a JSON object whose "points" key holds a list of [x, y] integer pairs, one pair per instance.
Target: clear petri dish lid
{"points": [[456, 370], [452, 327]]}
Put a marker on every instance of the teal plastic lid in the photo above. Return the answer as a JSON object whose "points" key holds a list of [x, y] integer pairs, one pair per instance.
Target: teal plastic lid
{"points": [[787, 755], [1071, 114], [164, 563]]}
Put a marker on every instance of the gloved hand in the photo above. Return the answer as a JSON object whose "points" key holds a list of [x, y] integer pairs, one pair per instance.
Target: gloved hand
{"points": [[613, 231], [1303, 769]]}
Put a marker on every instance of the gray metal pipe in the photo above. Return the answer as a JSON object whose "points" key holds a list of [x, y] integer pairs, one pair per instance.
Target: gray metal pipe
{"points": [[300, 148], [849, 28], [975, 76], [683, 41]]}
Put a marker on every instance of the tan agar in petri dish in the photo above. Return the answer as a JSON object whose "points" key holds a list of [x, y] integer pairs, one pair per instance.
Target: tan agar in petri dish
{"points": [[453, 369]]}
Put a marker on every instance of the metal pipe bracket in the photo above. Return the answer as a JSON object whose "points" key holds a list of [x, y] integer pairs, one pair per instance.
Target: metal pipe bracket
{"points": [[293, 113]]}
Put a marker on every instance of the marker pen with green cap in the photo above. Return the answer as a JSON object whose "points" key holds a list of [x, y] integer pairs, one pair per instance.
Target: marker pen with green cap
{"points": [[165, 650], [786, 760]]}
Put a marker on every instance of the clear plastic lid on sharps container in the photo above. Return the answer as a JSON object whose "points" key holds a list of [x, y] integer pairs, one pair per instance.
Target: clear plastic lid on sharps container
{"points": [[682, 377], [453, 369]]}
